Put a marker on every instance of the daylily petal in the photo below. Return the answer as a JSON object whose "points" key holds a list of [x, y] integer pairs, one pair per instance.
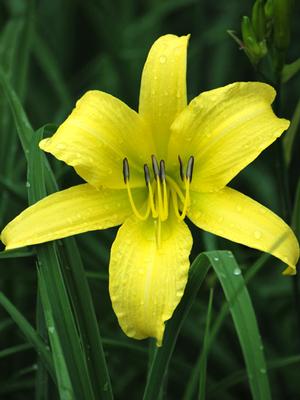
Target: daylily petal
{"points": [[79, 209], [163, 87], [236, 217], [146, 282], [100, 132], [225, 129]]}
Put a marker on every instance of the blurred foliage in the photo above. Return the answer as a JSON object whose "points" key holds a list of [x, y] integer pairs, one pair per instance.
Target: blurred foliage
{"points": [[54, 51]]}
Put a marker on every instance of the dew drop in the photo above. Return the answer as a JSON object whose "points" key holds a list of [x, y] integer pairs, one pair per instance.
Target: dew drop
{"points": [[178, 95], [27, 184], [220, 218], [162, 59], [238, 208], [237, 271], [216, 258], [51, 329], [257, 234], [263, 370], [60, 146]]}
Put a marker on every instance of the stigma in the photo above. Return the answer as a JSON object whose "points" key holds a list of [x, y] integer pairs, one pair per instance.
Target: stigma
{"points": [[163, 190]]}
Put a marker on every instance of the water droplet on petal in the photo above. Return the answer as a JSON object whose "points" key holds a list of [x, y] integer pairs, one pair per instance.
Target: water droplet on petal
{"points": [[238, 208], [257, 234], [220, 218], [60, 146], [162, 59]]}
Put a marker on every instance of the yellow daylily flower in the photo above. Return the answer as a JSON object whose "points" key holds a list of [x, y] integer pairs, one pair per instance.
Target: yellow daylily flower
{"points": [[148, 171]]}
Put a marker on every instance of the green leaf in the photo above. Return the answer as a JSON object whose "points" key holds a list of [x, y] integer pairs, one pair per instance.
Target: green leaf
{"points": [[81, 304], [290, 70], [243, 315], [48, 63], [241, 375], [205, 349], [15, 349], [40, 178], [18, 253], [229, 274], [289, 138], [20, 118], [296, 212], [30, 334], [63, 379], [163, 354]]}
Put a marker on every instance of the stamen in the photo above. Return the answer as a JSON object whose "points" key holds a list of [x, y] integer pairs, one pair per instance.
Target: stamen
{"points": [[147, 174], [187, 199], [160, 204], [126, 174], [151, 195], [155, 166], [181, 168], [126, 170], [189, 169], [162, 171]]}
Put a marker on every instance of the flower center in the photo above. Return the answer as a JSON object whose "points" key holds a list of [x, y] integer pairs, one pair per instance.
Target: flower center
{"points": [[163, 191]]}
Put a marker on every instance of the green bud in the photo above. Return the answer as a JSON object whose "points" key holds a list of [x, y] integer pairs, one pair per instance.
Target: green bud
{"points": [[269, 9], [251, 46], [259, 20], [282, 21]]}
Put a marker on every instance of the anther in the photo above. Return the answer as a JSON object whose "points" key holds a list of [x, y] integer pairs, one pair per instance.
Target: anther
{"points": [[147, 174], [181, 168], [162, 171], [125, 170], [189, 169], [155, 166]]}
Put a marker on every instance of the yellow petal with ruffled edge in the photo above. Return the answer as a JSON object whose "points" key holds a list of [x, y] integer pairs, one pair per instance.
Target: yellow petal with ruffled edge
{"points": [[100, 132], [163, 87], [79, 209], [146, 282], [225, 129], [236, 217]]}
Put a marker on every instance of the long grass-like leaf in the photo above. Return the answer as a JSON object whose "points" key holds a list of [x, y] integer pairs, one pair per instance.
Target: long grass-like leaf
{"points": [[163, 354], [203, 358], [63, 379], [77, 283], [243, 315], [32, 337]]}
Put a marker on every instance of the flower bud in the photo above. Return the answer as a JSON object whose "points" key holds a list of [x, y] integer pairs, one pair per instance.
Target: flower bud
{"points": [[255, 50], [259, 20], [282, 21]]}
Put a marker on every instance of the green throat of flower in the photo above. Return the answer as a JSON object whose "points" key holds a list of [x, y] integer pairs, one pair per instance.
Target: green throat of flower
{"points": [[163, 191]]}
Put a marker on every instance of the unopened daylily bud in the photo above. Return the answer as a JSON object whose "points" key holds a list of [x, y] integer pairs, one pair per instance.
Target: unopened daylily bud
{"points": [[269, 9], [259, 20], [251, 46], [282, 22]]}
